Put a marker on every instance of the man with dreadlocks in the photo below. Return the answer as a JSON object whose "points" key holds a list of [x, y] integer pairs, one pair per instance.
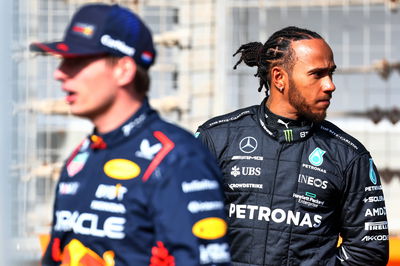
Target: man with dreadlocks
{"points": [[295, 183]]}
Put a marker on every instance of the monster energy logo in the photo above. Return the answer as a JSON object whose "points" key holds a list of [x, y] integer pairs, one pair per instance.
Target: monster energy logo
{"points": [[288, 135]]}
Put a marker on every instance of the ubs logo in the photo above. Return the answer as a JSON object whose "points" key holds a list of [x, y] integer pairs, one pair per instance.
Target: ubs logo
{"points": [[248, 144]]}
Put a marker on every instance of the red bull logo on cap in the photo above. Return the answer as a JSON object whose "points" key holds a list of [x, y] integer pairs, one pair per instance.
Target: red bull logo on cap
{"points": [[83, 29]]}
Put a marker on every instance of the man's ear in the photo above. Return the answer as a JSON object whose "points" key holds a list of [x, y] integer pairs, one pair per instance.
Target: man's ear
{"points": [[278, 78], [125, 71]]}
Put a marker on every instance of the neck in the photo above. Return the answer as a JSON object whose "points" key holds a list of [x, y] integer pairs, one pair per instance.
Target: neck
{"points": [[281, 108], [116, 115]]}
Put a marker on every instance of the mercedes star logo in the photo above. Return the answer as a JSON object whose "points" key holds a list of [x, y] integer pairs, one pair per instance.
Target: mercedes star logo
{"points": [[248, 144]]}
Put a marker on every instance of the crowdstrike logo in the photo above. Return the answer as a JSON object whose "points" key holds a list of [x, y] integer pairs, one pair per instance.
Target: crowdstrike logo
{"points": [[121, 46], [248, 144]]}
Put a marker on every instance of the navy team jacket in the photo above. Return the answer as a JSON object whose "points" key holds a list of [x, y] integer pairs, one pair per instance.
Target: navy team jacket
{"points": [[146, 193]]}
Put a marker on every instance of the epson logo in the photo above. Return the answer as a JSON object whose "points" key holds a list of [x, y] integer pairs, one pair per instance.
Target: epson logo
{"points": [[375, 238], [121, 46], [312, 181], [375, 212], [242, 211]]}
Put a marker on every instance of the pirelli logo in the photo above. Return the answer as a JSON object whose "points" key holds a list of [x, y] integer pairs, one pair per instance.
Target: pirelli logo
{"points": [[376, 226], [288, 135]]}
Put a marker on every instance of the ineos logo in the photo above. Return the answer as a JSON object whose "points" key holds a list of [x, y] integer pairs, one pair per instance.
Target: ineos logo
{"points": [[248, 144]]}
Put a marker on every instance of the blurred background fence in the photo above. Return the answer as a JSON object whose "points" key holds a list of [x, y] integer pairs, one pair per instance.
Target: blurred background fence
{"points": [[193, 80]]}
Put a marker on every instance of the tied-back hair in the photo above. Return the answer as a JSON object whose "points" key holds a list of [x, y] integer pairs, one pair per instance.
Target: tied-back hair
{"points": [[275, 51]]}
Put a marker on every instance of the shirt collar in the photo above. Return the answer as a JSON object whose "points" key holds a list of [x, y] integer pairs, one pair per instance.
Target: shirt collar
{"points": [[281, 128], [133, 125]]}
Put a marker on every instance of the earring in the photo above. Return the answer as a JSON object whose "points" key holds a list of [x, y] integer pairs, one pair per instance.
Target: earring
{"points": [[280, 89]]}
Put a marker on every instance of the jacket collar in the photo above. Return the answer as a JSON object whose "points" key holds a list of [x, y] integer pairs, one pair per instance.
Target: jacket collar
{"points": [[282, 129], [130, 127]]}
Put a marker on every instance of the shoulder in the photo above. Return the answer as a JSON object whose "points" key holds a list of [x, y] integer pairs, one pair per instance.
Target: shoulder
{"points": [[228, 119], [181, 141], [340, 138]]}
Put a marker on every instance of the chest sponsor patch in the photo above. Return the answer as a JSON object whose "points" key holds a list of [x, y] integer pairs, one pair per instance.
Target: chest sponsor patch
{"points": [[210, 228], [121, 169], [316, 157]]}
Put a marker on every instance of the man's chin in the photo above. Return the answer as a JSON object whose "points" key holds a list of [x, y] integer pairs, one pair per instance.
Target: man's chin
{"points": [[315, 117]]}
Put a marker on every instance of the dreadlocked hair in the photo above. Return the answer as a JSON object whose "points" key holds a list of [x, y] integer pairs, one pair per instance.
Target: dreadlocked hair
{"points": [[275, 51]]}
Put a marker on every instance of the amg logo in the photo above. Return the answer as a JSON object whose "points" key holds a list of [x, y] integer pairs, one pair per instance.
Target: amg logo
{"points": [[374, 226], [312, 181]]}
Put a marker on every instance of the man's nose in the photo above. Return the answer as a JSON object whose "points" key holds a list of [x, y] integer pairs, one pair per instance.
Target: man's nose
{"points": [[328, 85], [59, 74]]}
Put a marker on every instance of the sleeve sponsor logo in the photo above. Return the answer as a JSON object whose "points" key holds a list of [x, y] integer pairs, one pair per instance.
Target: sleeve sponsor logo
{"points": [[316, 157], [199, 185], [245, 185], [375, 238], [375, 212], [121, 169], [214, 253], [312, 181], [372, 175], [89, 224], [68, 188], [203, 206], [210, 228], [373, 199], [373, 188], [376, 226], [275, 215]]}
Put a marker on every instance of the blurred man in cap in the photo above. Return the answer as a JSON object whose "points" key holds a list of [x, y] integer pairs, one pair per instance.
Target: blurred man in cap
{"points": [[138, 191]]}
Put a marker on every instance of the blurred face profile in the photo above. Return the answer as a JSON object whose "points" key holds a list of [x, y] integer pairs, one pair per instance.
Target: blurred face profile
{"points": [[89, 85], [310, 83]]}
